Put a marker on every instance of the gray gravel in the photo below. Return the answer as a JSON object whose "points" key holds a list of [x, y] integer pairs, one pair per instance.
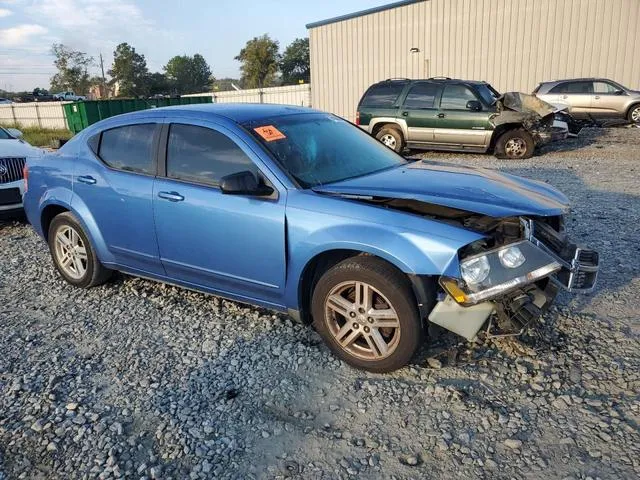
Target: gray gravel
{"points": [[141, 380]]}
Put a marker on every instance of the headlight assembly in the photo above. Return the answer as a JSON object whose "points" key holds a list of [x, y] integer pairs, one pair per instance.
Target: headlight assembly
{"points": [[490, 274]]}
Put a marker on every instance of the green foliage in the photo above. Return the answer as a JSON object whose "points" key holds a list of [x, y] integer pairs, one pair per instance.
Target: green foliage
{"points": [[188, 74], [158, 83], [72, 68], [259, 60], [42, 137], [130, 71], [295, 63]]}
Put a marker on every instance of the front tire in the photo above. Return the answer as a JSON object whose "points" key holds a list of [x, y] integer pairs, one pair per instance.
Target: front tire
{"points": [[634, 114], [515, 144], [366, 312], [391, 137], [72, 253]]}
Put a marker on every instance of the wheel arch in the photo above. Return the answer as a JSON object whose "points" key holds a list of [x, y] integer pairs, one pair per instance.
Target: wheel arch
{"points": [[631, 107], [500, 130], [378, 124], [423, 286]]}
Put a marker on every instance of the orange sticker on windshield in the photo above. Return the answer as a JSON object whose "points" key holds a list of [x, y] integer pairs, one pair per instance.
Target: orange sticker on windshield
{"points": [[270, 133]]}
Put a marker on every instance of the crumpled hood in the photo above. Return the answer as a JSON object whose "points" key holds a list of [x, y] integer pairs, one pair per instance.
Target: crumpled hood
{"points": [[17, 148], [477, 190], [525, 103]]}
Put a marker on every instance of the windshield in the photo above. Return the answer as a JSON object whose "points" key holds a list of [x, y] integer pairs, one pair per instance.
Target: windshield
{"points": [[318, 148], [488, 93], [4, 135]]}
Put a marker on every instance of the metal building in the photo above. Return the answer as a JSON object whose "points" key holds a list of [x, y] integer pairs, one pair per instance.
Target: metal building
{"points": [[513, 44]]}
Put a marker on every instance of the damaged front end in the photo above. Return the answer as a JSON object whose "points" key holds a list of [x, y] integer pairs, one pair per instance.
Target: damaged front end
{"points": [[516, 277], [536, 116]]}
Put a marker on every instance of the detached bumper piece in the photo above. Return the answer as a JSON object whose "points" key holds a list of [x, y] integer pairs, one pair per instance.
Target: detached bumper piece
{"points": [[580, 266]]}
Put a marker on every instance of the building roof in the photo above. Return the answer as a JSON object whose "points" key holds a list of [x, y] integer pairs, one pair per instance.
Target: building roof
{"points": [[362, 13]]}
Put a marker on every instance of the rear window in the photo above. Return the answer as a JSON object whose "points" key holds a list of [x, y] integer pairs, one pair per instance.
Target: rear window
{"points": [[129, 148], [383, 94]]}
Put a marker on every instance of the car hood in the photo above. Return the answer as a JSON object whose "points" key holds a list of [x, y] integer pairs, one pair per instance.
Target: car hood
{"points": [[17, 148], [476, 190]]}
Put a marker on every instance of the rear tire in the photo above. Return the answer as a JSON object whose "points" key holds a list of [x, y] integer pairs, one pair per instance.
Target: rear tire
{"points": [[634, 114], [391, 137], [516, 144], [365, 311], [72, 253]]}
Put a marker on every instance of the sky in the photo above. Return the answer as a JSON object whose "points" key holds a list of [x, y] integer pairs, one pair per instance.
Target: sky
{"points": [[159, 29]]}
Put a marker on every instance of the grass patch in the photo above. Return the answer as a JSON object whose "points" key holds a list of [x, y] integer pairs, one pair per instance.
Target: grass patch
{"points": [[42, 137]]}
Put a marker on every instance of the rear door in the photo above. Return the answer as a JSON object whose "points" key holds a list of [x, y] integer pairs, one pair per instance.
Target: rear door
{"points": [[608, 100], [420, 112], [458, 125], [578, 95], [232, 244], [116, 187]]}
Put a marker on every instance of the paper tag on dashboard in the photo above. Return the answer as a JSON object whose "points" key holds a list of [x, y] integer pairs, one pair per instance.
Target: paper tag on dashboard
{"points": [[270, 133]]}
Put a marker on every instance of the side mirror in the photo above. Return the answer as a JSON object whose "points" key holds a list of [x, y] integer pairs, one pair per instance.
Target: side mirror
{"points": [[474, 105], [244, 183], [14, 132], [619, 92]]}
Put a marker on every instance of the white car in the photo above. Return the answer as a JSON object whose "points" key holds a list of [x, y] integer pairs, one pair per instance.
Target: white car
{"points": [[70, 96], [13, 154]]}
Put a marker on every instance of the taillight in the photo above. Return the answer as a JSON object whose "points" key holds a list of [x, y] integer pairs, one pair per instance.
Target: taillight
{"points": [[357, 118], [25, 176]]}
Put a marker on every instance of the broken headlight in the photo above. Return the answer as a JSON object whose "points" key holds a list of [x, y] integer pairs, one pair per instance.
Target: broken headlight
{"points": [[491, 274]]}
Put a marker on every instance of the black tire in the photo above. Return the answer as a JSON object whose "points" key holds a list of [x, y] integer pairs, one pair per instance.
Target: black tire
{"points": [[95, 273], [388, 132], [634, 111], [520, 148], [387, 282]]}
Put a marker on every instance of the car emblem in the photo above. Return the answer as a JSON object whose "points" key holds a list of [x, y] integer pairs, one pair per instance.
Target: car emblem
{"points": [[3, 170]]}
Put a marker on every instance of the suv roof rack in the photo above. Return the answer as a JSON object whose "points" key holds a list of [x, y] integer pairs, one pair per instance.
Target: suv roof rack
{"points": [[396, 79], [439, 78]]}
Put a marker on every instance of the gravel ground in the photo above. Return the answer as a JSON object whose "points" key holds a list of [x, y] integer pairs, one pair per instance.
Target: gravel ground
{"points": [[141, 380]]}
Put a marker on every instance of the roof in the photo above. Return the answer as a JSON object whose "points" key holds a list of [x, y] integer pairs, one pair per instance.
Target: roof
{"points": [[237, 112], [362, 13]]}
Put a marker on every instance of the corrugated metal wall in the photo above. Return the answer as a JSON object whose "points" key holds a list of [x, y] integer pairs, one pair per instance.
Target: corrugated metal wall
{"points": [[513, 44], [36, 114], [288, 95]]}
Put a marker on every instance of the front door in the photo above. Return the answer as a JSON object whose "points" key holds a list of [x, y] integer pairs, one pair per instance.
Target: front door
{"points": [[419, 111], [608, 100], [116, 188], [459, 125], [231, 244]]}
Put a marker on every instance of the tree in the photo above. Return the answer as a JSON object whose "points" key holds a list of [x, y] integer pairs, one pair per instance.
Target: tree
{"points": [[130, 71], [295, 63], [158, 83], [189, 74], [72, 68], [259, 60]]}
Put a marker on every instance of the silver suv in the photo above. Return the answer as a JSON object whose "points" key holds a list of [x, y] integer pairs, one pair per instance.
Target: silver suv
{"points": [[592, 97]]}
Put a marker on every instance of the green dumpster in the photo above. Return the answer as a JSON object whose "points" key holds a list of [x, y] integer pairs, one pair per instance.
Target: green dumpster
{"points": [[80, 115]]}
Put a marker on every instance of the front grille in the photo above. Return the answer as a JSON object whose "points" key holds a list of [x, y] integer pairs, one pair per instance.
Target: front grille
{"points": [[11, 169]]}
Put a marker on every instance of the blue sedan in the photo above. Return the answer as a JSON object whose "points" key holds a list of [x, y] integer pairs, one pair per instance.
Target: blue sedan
{"points": [[299, 211]]}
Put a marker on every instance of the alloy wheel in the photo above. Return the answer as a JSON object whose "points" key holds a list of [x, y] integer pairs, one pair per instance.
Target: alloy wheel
{"points": [[362, 320], [389, 140], [635, 115], [515, 147], [71, 253]]}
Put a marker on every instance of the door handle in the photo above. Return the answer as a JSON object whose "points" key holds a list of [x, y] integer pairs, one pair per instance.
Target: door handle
{"points": [[442, 115], [405, 114], [88, 179], [171, 196], [565, 97], [597, 97]]}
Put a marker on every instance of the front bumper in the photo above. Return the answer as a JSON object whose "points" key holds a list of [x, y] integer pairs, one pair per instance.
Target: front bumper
{"points": [[558, 132], [575, 269], [11, 196]]}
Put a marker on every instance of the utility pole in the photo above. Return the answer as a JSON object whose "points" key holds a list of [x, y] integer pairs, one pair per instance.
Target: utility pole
{"points": [[104, 81]]}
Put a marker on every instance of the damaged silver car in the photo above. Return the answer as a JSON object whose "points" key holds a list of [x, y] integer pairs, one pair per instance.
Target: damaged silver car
{"points": [[457, 115]]}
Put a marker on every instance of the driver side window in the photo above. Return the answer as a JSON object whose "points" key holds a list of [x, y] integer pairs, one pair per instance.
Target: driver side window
{"points": [[203, 155], [455, 97]]}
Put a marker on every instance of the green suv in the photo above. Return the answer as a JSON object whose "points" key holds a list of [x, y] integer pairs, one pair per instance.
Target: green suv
{"points": [[458, 115]]}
